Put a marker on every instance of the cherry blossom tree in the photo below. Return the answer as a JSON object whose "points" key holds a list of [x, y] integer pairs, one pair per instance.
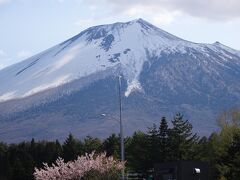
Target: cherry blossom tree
{"points": [[90, 166]]}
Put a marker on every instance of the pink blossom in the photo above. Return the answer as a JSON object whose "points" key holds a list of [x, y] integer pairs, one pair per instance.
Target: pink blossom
{"points": [[81, 167]]}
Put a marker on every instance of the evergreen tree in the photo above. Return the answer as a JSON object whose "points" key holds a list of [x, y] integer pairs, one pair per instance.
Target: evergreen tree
{"points": [[202, 148], [182, 139], [3, 160], [112, 146], [33, 150], [52, 152], [232, 159], [163, 140], [58, 150], [153, 145], [137, 152], [71, 148], [227, 155], [20, 161], [92, 144]]}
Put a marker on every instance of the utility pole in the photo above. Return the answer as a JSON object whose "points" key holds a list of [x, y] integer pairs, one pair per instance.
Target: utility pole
{"points": [[121, 125]]}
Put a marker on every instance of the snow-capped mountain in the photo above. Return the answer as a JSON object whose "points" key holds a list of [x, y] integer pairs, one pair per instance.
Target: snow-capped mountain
{"points": [[161, 73]]}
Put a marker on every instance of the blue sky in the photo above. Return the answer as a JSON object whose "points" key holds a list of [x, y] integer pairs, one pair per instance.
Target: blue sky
{"points": [[28, 27]]}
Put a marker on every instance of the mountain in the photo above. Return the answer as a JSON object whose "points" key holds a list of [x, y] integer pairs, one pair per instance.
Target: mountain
{"points": [[67, 87]]}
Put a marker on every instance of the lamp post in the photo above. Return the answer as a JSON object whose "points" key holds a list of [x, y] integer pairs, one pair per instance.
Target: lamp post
{"points": [[120, 123]]}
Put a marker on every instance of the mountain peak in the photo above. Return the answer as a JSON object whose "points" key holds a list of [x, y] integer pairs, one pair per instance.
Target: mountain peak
{"points": [[116, 29], [217, 43], [139, 20], [143, 23]]}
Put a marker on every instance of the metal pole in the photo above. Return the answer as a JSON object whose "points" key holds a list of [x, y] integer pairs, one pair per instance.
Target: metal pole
{"points": [[121, 126]]}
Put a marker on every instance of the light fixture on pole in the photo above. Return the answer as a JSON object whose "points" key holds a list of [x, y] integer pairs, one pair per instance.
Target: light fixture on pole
{"points": [[121, 125]]}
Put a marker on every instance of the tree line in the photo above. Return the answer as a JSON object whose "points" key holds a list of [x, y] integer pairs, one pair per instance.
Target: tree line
{"points": [[161, 143]]}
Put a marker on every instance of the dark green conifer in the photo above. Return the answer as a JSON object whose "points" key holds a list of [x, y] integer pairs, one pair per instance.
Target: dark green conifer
{"points": [[70, 148], [163, 140], [182, 139], [112, 146]]}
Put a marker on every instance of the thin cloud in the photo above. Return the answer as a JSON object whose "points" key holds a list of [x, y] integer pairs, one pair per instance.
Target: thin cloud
{"points": [[4, 59], [4, 2], [1, 66], [157, 15], [2, 53], [61, 1], [24, 54], [84, 23], [217, 10]]}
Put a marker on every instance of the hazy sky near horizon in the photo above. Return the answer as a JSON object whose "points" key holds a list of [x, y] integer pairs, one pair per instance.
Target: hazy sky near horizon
{"points": [[28, 27]]}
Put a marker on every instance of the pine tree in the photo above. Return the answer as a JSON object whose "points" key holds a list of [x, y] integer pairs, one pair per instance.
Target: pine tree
{"points": [[33, 150], [58, 150], [153, 145], [137, 152], [182, 139], [112, 146], [163, 140], [228, 163], [92, 144], [233, 158], [3, 160], [71, 148]]}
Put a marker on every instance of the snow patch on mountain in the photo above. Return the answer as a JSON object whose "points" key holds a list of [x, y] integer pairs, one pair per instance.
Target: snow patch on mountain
{"points": [[55, 83], [7, 96], [133, 86]]}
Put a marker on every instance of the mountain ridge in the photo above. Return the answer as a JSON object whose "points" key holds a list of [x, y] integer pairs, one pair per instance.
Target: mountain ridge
{"points": [[106, 34], [75, 81]]}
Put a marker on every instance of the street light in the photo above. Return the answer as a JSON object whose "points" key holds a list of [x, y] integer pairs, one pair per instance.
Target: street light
{"points": [[120, 123]]}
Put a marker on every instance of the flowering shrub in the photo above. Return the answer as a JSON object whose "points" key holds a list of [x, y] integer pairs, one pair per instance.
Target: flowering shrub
{"points": [[88, 167]]}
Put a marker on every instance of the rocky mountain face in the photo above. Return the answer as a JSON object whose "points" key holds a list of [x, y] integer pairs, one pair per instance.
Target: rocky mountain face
{"points": [[67, 87]]}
